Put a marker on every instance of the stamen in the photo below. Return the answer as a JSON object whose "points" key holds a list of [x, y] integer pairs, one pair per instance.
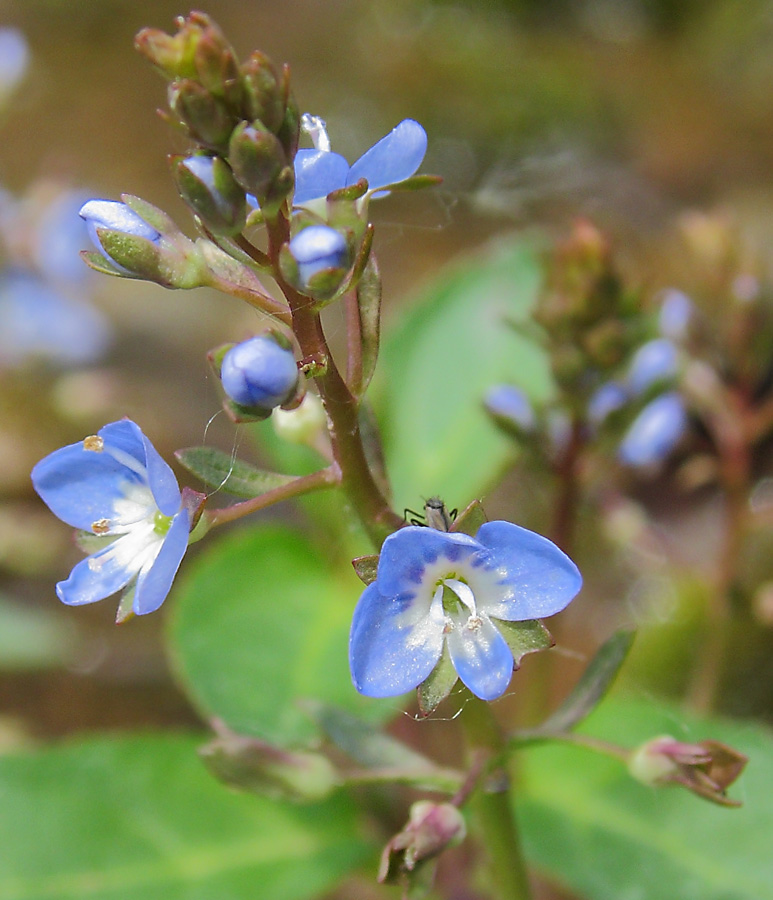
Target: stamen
{"points": [[316, 129], [94, 443], [101, 526], [474, 623], [463, 592]]}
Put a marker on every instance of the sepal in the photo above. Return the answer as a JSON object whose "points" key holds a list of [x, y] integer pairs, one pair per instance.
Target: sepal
{"points": [[208, 186], [434, 690]]}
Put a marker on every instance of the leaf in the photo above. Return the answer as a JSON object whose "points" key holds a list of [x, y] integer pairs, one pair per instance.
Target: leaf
{"points": [[218, 469], [525, 637], [260, 621], [451, 346], [140, 819], [593, 685], [589, 825]]}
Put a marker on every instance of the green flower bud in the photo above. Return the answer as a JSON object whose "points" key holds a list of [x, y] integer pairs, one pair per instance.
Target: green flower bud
{"points": [[206, 118], [258, 162], [263, 99], [208, 186]]}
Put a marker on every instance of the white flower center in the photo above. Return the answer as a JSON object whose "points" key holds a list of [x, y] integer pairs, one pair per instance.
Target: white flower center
{"points": [[462, 598]]}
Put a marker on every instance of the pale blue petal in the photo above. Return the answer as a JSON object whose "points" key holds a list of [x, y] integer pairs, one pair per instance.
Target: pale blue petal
{"points": [[481, 657], [317, 173], [99, 575], [406, 554], [394, 644], [81, 486], [117, 216], [533, 578], [392, 159], [653, 362], [153, 585], [163, 484]]}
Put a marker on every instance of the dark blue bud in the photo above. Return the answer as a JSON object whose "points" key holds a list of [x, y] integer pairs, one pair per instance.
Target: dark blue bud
{"points": [[655, 431], [259, 373]]}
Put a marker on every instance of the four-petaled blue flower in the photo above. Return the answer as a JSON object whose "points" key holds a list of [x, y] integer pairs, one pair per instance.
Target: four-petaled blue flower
{"points": [[115, 485], [436, 589], [390, 160]]}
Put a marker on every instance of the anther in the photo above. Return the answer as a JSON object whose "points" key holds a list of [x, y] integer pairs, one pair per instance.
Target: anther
{"points": [[101, 526], [94, 443]]}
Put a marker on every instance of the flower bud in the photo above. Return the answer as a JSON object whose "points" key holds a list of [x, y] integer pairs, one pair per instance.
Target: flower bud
{"points": [[653, 363], [111, 223], [259, 373], [303, 425], [207, 185], [431, 828], [511, 409], [654, 432], [707, 768], [258, 161], [605, 401], [319, 250], [262, 92], [249, 764], [203, 115], [676, 312]]}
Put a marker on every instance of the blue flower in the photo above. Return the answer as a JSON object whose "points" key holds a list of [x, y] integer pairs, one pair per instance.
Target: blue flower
{"points": [[317, 248], [655, 431], [116, 216], [115, 486], [390, 160], [37, 321], [437, 590], [654, 362], [259, 373]]}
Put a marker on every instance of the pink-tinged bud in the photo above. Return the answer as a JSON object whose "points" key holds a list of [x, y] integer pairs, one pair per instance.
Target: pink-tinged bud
{"points": [[707, 768], [431, 828]]}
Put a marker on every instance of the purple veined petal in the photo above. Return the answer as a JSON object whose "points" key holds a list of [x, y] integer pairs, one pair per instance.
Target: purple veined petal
{"points": [[155, 581], [393, 644], [109, 570], [530, 577], [655, 361], [480, 656], [82, 486], [406, 554], [163, 484], [654, 432], [317, 173], [392, 159]]}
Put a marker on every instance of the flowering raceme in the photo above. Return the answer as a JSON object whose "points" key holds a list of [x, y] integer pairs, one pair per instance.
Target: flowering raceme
{"points": [[115, 486], [437, 590]]}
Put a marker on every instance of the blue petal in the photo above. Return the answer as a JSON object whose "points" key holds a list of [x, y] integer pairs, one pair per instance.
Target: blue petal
{"points": [[117, 216], [392, 159], [317, 173], [394, 644], [153, 585], [654, 432], [81, 486], [406, 554], [482, 658], [535, 578], [163, 484], [99, 575], [653, 362]]}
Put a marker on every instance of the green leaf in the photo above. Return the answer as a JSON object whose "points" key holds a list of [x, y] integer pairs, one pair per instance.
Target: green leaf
{"points": [[219, 469], [140, 819], [453, 344], [260, 621], [593, 685], [590, 826]]}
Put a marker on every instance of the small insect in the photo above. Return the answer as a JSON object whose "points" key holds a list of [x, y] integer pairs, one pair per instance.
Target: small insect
{"points": [[435, 515]]}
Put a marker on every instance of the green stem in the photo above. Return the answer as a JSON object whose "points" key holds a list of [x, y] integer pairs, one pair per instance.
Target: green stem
{"points": [[494, 804], [341, 406]]}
